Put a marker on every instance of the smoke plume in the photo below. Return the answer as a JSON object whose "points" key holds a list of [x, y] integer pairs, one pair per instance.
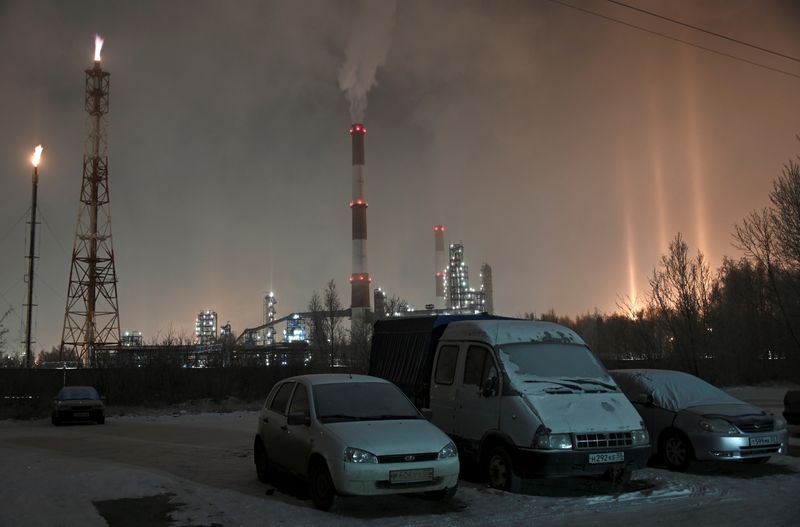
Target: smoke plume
{"points": [[366, 50]]}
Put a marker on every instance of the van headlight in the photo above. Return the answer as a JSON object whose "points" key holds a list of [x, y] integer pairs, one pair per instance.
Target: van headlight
{"points": [[640, 437], [448, 451], [356, 455], [547, 441]]}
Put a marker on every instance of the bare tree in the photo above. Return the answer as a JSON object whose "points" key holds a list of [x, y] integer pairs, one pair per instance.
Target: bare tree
{"points": [[332, 307], [681, 296], [395, 304], [317, 332]]}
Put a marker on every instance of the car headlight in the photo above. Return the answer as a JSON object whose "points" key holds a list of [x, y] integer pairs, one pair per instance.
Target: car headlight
{"points": [[448, 451], [640, 437], [548, 441], [780, 423], [356, 455], [718, 426]]}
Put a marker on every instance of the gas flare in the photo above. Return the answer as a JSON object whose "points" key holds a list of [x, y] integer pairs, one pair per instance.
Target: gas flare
{"points": [[37, 155], [98, 45]]}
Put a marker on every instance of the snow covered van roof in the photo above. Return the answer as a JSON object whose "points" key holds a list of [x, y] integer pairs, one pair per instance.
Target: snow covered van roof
{"points": [[500, 331]]}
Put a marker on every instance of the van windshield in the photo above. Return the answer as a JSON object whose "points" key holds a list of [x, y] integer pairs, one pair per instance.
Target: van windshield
{"points": [[555, 367]]}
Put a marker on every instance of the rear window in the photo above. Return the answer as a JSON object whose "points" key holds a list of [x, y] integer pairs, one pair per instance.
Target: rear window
{"points": [[72, 393]]}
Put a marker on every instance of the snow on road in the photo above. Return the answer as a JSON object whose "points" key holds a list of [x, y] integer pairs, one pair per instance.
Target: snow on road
{"points": [[201, 465]]}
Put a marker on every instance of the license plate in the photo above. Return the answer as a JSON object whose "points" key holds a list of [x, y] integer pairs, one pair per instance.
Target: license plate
{"points": [[410, 476], [764, 440], [81, 414], [606, 457]]}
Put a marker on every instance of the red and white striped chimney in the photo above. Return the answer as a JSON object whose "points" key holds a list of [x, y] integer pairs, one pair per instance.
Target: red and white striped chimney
{"points": [[360, 279], [438, 239]]}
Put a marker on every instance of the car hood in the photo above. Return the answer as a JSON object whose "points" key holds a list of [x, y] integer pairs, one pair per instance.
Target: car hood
{"points": [[585, 412], [727, 410], [405, 436]]}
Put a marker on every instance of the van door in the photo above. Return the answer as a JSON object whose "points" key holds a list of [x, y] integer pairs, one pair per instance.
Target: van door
{"points": [[443, 387], [478, 405]]}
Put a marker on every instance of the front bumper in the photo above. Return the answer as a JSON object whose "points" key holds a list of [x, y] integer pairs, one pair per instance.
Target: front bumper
{"points": [[553, 463], [370, 479], [78, 414], [709, 446]]}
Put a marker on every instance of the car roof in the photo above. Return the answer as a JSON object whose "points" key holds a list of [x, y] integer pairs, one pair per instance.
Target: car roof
{"points": [[335, 378]]}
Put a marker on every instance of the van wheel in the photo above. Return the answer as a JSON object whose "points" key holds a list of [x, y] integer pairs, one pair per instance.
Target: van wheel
{"points": [[320, 486], [676, 451], [500, 470]]}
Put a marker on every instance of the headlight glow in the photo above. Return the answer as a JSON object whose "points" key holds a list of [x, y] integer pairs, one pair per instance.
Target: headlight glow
{"points": [[553, 441], [356, 455], [448, 451]]}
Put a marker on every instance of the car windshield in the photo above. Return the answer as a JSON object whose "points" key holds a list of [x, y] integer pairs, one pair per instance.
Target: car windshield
{"points": [[71, 393], [554, 367], [361, 401]]}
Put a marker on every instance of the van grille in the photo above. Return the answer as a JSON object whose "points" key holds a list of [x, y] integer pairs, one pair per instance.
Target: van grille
{"points": [[407, 458], [603, 440]]}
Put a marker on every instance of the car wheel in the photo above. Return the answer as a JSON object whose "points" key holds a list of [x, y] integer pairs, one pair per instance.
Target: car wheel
{"points": [[320, 486], [756, 460], [676, 451], [500, 470], [262, 462], [101, 420]]}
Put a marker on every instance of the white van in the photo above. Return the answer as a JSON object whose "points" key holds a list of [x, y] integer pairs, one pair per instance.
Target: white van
{"points": [[521, 398]]}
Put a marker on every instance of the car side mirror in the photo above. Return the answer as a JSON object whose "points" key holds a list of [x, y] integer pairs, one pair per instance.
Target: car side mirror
{"points": [[489, 388], [427, 413], [298, 418]]}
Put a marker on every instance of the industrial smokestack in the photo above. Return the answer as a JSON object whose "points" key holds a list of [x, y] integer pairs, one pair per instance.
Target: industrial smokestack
{"points": [[360, 279], [438, 239]]}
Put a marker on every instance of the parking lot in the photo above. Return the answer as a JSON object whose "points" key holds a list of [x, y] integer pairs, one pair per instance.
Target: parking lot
{"points": [[183, 469]]}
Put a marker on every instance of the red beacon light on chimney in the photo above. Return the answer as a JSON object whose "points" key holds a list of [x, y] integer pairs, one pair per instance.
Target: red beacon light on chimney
{"points": [[358, 128]]}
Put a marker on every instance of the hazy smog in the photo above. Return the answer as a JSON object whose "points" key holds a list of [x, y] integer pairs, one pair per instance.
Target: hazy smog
{"points": [[564, 149]]}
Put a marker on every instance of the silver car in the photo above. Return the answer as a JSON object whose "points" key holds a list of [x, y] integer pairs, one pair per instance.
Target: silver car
{"points": [[352, 435], [689, 419]]}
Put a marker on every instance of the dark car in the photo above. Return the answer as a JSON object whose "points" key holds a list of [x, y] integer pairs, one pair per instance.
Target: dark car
{"points": [[791, 407], [78, 403], [691, 420]]}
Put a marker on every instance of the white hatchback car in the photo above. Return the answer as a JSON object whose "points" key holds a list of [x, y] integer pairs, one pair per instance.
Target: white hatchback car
{"points": [[352, 435]]}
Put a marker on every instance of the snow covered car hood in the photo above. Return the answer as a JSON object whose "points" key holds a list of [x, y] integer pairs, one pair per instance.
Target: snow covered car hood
{"points": [[405, 436], [585, 412]]}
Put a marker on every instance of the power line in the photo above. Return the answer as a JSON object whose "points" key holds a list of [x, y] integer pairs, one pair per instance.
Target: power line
{"points": [[684, 24], [676, 39]]}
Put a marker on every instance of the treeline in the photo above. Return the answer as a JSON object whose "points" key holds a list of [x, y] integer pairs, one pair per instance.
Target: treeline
{"points": [[740, 323]]}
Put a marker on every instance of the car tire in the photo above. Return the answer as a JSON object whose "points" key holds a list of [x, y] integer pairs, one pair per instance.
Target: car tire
{"points": [[500, 472], [320, 486], [263, 471], [756, 460], [444, 494], [676, 451], [101, 420]]}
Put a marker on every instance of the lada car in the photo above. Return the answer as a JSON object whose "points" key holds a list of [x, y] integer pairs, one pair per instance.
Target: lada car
{"points": [[78, 403], [352, 435]]}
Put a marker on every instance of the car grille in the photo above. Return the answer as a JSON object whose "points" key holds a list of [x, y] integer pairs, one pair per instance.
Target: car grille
{"points": [[749, 428], [603, 440], [407, 458]]}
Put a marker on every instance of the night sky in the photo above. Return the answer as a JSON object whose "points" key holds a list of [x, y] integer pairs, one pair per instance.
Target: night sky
{"points": [[563, 149]]}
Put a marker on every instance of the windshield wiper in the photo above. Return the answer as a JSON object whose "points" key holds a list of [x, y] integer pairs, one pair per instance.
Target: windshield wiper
{"points": [[565, 385], [597, 383], [386, 417], [343, 417]]}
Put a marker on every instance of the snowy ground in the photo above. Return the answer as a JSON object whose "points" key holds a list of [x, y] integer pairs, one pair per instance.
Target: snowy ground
{"points": [[186, 469]]}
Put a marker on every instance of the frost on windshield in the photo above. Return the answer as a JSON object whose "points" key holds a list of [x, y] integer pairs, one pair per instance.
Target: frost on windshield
{"points": [[553, 368], [671, 390]]}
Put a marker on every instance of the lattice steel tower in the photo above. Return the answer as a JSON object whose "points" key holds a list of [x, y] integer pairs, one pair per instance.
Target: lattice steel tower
{"points": [[91, 318]]}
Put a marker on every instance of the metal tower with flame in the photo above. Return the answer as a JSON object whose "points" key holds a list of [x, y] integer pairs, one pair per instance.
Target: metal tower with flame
{"points": [[91, 318]]}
